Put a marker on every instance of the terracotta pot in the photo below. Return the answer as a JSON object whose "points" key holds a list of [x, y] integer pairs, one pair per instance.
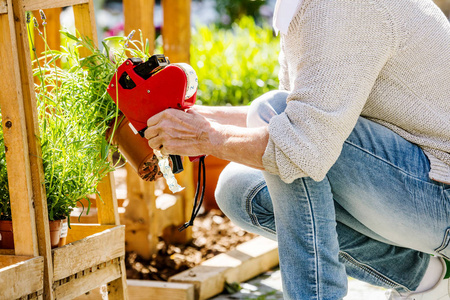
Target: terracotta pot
{"points": [[213, 168], [6, 232], [55, 232], [134, 148], [63, 235]]}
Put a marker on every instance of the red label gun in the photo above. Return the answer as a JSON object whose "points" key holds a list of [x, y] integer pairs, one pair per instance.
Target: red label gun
{"points": [[143, 89]]}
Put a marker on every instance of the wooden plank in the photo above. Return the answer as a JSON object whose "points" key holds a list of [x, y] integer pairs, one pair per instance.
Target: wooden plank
{"points": [[85, 23], [107, 207], [79, 286], [16, 147], [176, 29], [101, 247], [22, 59], [136, 217], [152, 219], [3, 7], [22, 277], [118, 289], [6, 251], [45, 4], [9, 260], [138, 14], [80, 231], [245, 262], [142, 289]]}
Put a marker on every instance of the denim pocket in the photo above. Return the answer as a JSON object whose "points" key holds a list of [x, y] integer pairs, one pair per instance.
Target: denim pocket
{"points": [[444, 249]]}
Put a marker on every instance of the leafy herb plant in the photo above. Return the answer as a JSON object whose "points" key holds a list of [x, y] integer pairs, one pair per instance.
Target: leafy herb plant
{"points": [[74, 112]]}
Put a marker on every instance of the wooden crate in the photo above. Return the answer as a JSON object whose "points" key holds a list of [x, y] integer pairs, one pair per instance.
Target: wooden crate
{"points": [[21, 277], [94, 254], [93, 257]]}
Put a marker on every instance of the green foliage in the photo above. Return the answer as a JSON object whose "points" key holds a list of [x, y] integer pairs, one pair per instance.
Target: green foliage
{"points": [[74, 111], [234, 66], [236, 9], [5, 209]]}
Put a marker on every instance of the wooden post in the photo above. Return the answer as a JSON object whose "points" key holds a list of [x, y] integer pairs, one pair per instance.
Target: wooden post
{"points": [[137, 216], [16, 146], [176, 29], [17, 17], [85, 23], [138, 14]]}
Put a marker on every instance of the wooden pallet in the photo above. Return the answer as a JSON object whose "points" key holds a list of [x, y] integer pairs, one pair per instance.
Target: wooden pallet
{"points": [[94, 254]]}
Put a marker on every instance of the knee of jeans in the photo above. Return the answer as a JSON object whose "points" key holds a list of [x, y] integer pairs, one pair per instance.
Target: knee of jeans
{"points": [[226, 193], [263, 108], [234, 187]]}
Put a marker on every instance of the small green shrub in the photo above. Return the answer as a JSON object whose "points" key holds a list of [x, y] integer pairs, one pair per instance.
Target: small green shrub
{"points": [[236, 65]]}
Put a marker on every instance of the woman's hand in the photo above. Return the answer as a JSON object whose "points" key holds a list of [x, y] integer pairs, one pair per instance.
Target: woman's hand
{"points": [[212, 132], [174, 131]]}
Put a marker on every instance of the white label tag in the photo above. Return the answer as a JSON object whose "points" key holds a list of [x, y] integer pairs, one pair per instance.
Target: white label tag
{"points": [[64, 229], [132, 128]]}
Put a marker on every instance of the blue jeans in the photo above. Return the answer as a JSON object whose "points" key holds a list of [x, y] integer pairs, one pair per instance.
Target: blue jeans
{"points": [[376, 216]]}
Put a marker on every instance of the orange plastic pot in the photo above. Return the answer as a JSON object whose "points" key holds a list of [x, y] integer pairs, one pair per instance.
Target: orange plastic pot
{"points": [[6, 235], [55, 232], [213, 168], [134, 148]]}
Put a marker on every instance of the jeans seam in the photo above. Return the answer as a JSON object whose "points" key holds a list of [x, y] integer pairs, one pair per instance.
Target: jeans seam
{"points": [[255, 190], [384, 160], [445, 243], [314, 238], [372, 271]]}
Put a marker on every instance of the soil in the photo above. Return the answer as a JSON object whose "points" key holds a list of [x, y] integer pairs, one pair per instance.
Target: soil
{"points": [[213, 233]]}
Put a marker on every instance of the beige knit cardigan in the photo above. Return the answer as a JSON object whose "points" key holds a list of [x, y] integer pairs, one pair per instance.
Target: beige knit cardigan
{"points": [[386, 60]]}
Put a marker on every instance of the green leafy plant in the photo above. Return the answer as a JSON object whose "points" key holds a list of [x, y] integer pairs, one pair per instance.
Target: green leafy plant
{"points": [[74, 112], [236, 65]]}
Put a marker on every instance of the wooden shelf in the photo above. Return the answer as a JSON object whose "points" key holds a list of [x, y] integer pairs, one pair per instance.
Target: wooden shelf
{"points": [[14, 285]]}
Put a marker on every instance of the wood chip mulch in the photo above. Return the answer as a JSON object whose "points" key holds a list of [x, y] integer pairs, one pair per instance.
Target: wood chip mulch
{"points": [[213, 233]]}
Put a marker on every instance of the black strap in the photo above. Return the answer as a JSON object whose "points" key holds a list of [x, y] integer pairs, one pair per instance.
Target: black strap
{"points": [[197, 202]]}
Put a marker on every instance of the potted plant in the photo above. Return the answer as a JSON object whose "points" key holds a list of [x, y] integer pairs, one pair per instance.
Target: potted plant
{"points": [[74, 112]]}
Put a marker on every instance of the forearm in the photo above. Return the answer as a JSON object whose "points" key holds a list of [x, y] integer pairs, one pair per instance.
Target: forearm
{"points": [[192, 134], [226, 115], [242, 145]]}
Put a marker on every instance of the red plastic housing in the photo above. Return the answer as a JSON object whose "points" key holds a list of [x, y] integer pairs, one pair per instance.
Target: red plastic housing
{"points": [[165, 89]]}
